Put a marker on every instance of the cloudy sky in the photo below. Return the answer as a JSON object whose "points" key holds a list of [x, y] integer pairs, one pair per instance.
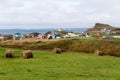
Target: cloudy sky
{"points": [[58, 13]]}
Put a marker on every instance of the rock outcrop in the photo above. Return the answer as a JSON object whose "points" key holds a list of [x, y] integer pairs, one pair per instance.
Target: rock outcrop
{"points": [[99, 27]]}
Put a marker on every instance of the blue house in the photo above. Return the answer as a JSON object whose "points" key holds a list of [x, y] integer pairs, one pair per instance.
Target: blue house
{"points": [[17, 36]]}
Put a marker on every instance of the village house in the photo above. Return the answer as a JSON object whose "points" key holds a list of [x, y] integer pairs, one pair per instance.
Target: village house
{"points": [[73, 35], [41, 36], [116, 31], [17, 36], [34, 35], [6, 37]]}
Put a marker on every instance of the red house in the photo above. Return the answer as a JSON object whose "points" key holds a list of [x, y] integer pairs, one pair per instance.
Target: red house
{"points": [[41, 36]]}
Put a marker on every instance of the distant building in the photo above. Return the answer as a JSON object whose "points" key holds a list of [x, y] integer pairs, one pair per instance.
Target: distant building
{"points": [[17, 36], [6, 37], [116, 31], [73, 35], [60, 29], [34, 35], [49, 36], [41, 36]]}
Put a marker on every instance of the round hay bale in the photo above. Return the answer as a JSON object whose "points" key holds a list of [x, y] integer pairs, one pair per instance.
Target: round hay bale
{"points": [[98, 53], [57, 50], [9, 53], [27, 54], [63, 50]]}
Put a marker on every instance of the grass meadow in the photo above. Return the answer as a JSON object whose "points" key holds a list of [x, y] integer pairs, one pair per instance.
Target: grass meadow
{"points": [[66, 66]]}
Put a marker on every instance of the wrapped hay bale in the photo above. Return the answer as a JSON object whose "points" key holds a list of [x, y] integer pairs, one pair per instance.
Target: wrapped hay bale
{"points": [[98, 53], [27, 54], [9, 53], [57, 50]]}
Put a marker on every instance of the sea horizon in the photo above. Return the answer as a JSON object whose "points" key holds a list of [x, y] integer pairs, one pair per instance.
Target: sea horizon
{"points": [[42, 30]]}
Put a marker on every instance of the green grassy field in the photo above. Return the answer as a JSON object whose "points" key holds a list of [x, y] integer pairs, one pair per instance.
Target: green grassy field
{"points": [[67, 66]]}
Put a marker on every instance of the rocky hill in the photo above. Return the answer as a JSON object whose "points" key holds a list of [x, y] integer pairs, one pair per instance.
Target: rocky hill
{"points": [[99, 27]]}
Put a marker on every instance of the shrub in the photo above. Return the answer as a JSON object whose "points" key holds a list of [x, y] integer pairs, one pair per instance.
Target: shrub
{"points": [[107, 48], [111, 48]]}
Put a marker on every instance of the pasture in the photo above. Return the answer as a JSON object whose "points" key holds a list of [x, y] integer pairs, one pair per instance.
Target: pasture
{"points": [[66, 66]]}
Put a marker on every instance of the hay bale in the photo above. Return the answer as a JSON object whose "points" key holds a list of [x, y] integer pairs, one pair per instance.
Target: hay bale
{"points": [[57, 50], [27, 54], [63, 50], [98, 53], [9, 53]]}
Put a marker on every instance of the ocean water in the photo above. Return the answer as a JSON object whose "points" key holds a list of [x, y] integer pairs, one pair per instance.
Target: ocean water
{"points": [[27, 31]]}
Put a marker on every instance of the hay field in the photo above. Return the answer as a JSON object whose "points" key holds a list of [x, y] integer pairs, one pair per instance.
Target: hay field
{"points": [[66, 66]]}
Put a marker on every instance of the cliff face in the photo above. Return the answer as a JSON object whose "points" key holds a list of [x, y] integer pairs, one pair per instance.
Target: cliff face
{"points": [[99, 26]]}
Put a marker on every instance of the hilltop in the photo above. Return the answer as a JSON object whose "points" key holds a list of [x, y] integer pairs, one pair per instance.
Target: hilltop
{"points": [[99, 27]]}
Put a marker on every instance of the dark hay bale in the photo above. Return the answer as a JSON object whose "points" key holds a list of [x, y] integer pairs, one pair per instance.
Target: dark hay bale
{"points": [[9, 53], [27, 54], [63, 50], [98, 53], [57, 50]]}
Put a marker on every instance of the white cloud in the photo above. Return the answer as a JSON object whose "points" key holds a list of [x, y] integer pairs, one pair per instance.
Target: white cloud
{"points": [[59, 11]]}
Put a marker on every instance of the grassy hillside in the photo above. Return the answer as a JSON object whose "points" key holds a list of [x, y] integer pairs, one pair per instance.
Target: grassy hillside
{"points": [[49, 66]]}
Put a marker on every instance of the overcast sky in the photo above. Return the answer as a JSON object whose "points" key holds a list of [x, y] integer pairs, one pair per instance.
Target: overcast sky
{"points": [[58, 13]]}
